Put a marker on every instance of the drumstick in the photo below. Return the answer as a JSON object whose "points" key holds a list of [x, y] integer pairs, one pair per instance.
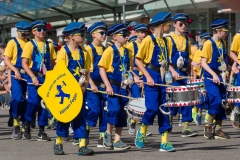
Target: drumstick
{"points": [[184, 77], [221, 82], [26, 80], [114, 94], [157, 84], [20, 78]]}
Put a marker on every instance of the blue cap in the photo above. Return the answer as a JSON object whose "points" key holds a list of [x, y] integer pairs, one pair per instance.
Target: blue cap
{"points": [[220, 23], [116, 28], [198, 32], [132, 24], [133, 38], [205, 36], [141, 27], [160, 18], [38, 24], [191, 39], [73, 28], [23, 26], [97, 25], [180, 17]]}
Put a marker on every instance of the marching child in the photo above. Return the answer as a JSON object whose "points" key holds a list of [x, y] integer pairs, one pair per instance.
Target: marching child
{"points": [[74, 55], [114, 69], [153, 52], [96, 101], [214, 62], [38, 57]]}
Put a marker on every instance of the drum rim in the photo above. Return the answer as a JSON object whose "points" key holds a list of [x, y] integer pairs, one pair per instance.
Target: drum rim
{"points": [[189, 103]]}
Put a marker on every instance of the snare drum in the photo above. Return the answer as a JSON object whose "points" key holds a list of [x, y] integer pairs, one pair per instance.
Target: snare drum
{"points": [[180, 96], [233, 94], [196, 82], [136, 109]]}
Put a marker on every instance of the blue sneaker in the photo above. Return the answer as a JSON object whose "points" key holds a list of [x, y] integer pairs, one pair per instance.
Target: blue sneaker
{"points": [[119, 145], [84, 151], [107, 141], [140, 139], [167, 147], [199, 120], [58, 149]]}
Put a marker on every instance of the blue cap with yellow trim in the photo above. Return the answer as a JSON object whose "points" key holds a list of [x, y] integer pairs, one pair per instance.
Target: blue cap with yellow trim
{"points": [[73, 28], [23, 26], [97, 25], [205, 36], [133, 38], [38, 24], [141, 27], [132, 24], [180, 17], [220, 23], [117, 28], [160, 18]]}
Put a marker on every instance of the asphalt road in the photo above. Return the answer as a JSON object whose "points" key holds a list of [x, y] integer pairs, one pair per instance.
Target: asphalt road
{"points": [[194, 148]]}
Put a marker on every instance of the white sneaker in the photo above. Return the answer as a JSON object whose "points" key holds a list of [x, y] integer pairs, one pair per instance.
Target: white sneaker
{"points": [[232, 115], [70, 130], [148, 133], [180, 124]]}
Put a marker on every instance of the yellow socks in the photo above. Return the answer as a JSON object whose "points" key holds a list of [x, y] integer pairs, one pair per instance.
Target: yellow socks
{"points": [[218, 124], [180, 116], [143, 129], [195, 109], [185, 126], [59, 140], [16, 122], [164, 137], [82, 142], [88, 128], [133, 121], [211, 118], [101, 134]]}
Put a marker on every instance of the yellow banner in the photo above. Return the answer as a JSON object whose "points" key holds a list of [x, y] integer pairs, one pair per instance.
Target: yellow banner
{"points": [[61, 93]]}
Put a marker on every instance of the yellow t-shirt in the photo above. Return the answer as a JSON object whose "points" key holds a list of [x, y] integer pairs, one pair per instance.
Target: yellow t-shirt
{"points": [[180, 44], [130, 48], [107, 59], [62, 56], [207, 49], [197, 58], [99, 51], [28, 49], [11, 49], [193, 51], [145, 50], [235, 46]]}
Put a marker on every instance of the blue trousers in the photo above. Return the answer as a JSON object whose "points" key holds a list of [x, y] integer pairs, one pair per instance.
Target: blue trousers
{"points": [[215, 95], [116, 114], [78, 125], [154, 97], [96, 103], [205, 102], [33, 104], [18, 100], [185, 111], [238, 84]]}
